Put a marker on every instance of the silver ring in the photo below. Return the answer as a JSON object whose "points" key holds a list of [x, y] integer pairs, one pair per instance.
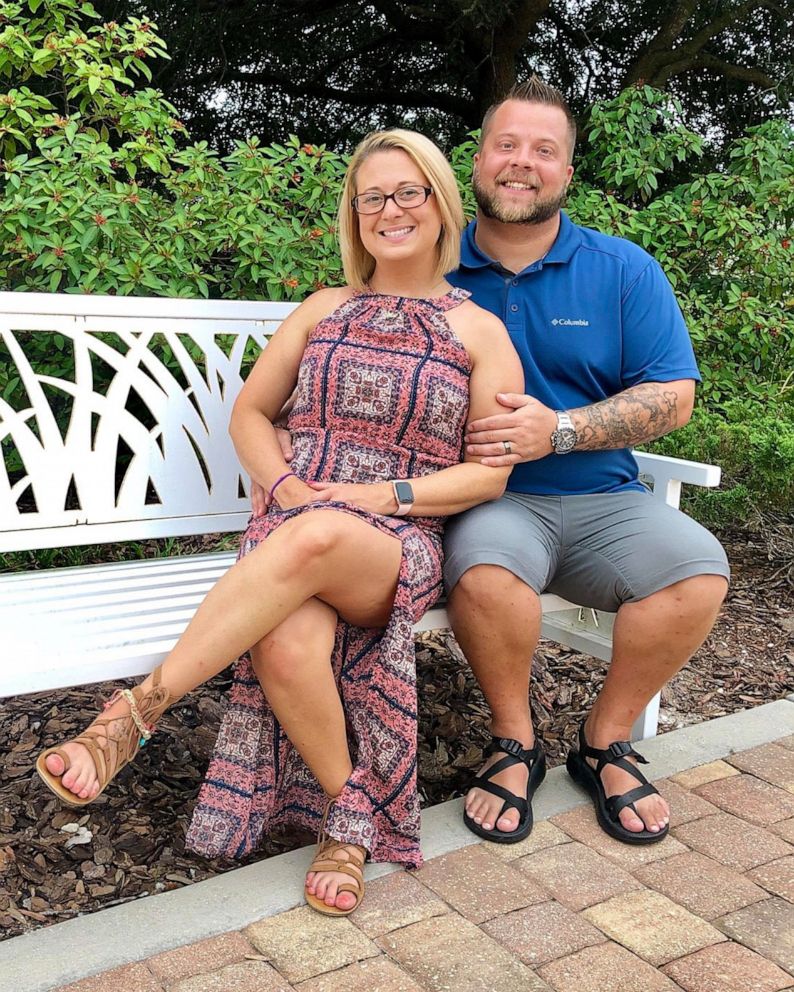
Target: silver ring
{"points": [[508, 447]]}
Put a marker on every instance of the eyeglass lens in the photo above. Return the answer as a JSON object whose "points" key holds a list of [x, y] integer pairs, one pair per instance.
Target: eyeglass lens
{"points": [[406, 196]]}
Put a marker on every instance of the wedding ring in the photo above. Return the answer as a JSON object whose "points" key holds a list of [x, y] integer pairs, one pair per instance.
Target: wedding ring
{"points": [[508, 447]]}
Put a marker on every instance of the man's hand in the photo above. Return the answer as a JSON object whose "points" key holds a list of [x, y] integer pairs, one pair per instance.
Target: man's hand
{"points": [[376, 497], [525, 433], [260, 497]]}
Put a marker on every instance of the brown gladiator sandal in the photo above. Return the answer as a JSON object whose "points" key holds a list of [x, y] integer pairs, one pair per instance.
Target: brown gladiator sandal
{"points": [[110, 752], [324, 860]]}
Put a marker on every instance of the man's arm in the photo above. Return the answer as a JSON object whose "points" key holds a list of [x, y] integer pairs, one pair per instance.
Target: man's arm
{"points": [[637, 415]]}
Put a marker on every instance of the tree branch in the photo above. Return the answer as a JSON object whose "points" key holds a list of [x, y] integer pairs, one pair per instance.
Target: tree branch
{"points": [[415, 99]]}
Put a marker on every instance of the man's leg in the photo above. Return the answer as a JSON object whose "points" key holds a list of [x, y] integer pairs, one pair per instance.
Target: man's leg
{"points": [[667, 577], [495, 615]]}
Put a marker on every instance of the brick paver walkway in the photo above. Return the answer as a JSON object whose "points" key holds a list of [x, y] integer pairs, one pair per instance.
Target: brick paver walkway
{"points": [[710, 909]]}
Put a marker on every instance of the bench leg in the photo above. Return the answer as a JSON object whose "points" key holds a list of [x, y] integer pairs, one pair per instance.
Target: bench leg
{"points": [[646, 724]]}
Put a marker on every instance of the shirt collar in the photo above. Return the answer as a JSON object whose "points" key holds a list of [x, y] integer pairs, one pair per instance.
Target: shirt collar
{"points": [[565, 244]]}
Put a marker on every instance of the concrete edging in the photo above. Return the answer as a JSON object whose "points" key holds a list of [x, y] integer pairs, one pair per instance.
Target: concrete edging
{"points": [[87, 945]]}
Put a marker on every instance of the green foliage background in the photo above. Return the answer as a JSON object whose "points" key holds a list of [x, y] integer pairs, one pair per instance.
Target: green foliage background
{"points": [[101, 192]]}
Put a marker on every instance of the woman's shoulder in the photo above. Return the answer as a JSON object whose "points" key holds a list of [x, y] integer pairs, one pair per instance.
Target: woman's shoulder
{"points": [[323, 302], [476, 320]]}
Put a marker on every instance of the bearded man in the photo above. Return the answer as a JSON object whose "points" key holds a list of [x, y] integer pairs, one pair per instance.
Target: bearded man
{"points": [[608, 365]]}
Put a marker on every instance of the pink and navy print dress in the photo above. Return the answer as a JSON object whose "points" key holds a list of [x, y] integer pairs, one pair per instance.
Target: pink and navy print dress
{"points": [[383, 393]]}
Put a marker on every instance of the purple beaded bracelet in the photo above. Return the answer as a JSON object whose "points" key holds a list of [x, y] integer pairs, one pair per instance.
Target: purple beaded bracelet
{"points": [[278, 482]]}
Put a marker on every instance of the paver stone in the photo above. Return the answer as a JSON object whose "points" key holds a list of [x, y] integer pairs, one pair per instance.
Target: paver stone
{"points": [[130, 976], [652, 926], [478, 885], [685, 805], [732, 841], [784, 829], [450, 953], [394, 901], [605, 968], [576, 876], [244, 976], [542, 933], [206, 955], [766, 927], [750, 798], [771, 762], [727, 967], [372, 975], [302, 943], [776, 876], [544, 834], [704, 887], [691, 778], [582, 825]]}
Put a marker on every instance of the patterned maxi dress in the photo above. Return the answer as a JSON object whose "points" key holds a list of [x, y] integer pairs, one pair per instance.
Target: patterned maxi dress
{"points": [[382, 394]]}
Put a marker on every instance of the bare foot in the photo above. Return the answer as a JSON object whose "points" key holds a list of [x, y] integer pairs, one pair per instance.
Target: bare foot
{"points": [[81, 777], [325, 884], [483, 807], [654, 812]]}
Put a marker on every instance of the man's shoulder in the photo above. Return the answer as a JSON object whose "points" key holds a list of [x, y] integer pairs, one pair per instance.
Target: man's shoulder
{"points": [[611, 246]]}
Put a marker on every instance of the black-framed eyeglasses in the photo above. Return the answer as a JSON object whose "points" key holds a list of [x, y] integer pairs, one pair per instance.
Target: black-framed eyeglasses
{"points": [[405, 197]]}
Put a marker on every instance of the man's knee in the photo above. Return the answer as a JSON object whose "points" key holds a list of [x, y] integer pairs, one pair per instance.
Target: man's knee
{"points": [[490, 588]]}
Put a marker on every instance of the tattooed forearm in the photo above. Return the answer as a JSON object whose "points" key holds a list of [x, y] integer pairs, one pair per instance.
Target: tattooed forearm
{"points": [[641, 413]]}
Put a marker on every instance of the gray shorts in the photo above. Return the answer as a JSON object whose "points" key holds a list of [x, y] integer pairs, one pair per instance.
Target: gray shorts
{"points": [[598, 550]]}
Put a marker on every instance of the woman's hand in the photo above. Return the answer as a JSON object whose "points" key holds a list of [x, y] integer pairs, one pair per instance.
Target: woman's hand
{"points": [[375, 497]]}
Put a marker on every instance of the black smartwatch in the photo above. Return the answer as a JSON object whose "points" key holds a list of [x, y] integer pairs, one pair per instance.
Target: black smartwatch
{"points": [[404, 494]]}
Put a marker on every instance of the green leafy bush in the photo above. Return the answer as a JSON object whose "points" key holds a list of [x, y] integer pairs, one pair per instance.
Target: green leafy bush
{"points": [[101, 192]]}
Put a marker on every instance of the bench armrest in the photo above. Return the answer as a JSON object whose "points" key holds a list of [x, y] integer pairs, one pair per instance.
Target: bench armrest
{"points": [[668, 473]]}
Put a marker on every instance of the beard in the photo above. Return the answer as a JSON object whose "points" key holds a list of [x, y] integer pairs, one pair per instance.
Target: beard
{"points": [[538, 212]]}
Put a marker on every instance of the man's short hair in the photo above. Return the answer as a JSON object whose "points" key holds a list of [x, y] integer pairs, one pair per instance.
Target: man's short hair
{"points": [[534, 90]]}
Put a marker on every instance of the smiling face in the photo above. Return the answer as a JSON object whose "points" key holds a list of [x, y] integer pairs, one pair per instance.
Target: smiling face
{"points": [[397, 232], [522, 170]]}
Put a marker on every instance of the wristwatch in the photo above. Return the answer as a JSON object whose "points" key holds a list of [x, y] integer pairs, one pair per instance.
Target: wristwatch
{"points": [[404, 494], [564, 439]]}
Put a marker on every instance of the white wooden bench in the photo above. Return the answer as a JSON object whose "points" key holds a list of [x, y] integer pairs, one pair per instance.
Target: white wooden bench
{"points": [[61, 438]]}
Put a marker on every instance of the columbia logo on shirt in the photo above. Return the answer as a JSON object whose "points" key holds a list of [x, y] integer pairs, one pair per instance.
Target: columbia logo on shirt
{"points": [[567, 322]]}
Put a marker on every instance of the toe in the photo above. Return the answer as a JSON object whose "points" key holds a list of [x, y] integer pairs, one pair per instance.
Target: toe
{"points": [[631, 821], [54, 764], [330, 892], [508, 822], [345, 900]]}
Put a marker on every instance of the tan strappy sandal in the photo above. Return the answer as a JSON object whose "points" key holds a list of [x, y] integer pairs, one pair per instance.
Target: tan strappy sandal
{"points": [[110, 752], [324, 860]]}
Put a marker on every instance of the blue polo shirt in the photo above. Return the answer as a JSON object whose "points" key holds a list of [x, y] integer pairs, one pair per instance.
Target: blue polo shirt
{"points": [[594, 317]]}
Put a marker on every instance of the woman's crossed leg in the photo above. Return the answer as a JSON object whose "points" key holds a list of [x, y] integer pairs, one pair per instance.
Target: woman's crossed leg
{"points": [[324, 554]]}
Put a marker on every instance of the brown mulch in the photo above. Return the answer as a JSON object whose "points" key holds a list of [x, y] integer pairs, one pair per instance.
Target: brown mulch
{"points": [[57, 862]]}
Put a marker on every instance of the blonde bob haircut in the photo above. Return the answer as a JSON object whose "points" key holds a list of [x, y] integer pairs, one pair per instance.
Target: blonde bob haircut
{"points": [[357, 261]]}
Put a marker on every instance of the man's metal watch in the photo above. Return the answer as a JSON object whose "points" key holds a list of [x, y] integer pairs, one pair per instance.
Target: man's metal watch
{"points": [[565, 437]]}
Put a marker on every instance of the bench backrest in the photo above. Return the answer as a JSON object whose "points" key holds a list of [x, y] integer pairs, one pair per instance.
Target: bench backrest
{"points": [[134, 442]]}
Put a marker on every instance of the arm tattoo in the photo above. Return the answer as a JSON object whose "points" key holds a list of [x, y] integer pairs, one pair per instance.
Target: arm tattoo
{"points": [[641, 413]]}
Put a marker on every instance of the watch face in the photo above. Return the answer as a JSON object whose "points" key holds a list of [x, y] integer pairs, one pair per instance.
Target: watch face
{"points": [[563, 440], [404, 492]]}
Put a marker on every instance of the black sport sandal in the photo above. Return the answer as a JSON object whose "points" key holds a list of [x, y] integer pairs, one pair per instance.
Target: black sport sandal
{"points": [[608, 807], [515, 754]]}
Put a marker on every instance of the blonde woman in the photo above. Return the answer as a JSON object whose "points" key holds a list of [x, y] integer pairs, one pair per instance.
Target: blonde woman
{"points": [[321, 726]]}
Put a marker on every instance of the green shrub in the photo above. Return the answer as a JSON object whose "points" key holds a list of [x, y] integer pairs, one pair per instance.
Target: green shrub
{"points": [[100, 192], [755, 449]]}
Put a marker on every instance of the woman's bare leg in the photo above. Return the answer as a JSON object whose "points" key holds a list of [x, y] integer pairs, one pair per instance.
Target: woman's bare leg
{"points": [[293, 665], [334, 556]]}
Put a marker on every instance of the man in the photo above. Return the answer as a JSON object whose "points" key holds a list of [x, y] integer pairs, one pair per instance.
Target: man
{"points": [[608, 365]]}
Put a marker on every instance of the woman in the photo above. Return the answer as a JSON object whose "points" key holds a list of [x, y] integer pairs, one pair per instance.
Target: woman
{"points": [[348, 556]]}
